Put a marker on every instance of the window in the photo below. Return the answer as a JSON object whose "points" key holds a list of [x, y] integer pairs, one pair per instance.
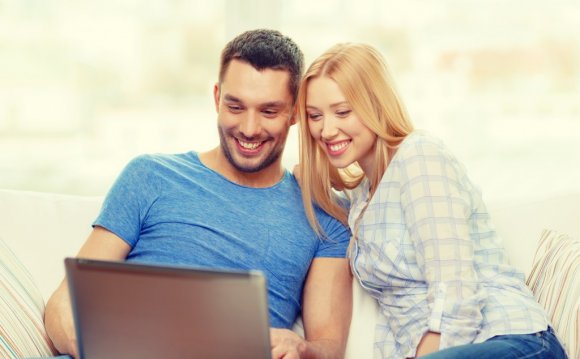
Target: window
{"points": [[86, 85]]}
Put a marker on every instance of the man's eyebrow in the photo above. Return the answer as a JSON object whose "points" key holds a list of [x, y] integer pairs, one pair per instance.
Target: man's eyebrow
{"points": [[276, 104], [271, 104], [231, 98]]}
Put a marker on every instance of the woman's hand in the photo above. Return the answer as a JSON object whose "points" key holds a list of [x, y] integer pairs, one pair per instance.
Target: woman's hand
{"points": [[428, 344]]}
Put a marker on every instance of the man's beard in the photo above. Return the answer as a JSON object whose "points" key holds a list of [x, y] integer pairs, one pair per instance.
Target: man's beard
{"points": [[272, 157]]}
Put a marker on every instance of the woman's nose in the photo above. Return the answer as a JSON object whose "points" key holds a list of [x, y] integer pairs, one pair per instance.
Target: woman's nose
{"points": [[329, 129]]}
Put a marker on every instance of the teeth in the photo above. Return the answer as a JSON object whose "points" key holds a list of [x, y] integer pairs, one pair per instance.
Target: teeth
{"points": [[249, 145], [338, 146]]}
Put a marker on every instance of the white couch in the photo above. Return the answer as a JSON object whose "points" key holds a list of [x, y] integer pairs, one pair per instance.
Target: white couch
{"points": [[43, 228]]}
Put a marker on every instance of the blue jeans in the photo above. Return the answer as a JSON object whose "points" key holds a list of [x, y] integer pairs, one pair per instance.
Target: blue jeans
{"points": [[516, 346]]}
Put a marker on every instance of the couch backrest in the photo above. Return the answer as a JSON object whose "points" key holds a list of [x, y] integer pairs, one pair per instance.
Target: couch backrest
{"points": [[520, 224], [44, 228]]}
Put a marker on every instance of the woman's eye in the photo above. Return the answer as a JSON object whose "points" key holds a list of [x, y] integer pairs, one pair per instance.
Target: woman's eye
{"points": [[343, 113], [314, 116]]}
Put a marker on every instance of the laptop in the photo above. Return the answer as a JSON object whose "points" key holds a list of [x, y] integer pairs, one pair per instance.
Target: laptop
{"points": [[127, 310]]}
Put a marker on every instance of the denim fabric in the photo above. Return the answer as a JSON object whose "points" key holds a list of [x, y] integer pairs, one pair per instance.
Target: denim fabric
{"points": [[543, 345]]}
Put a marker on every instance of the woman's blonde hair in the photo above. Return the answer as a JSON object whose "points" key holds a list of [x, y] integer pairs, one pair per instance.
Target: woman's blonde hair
{"points": [[365, 81]]}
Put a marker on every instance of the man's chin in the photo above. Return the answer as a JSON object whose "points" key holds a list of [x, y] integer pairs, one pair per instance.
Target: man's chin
{"points": [[248, 166], [253, 164], [250, 162]]}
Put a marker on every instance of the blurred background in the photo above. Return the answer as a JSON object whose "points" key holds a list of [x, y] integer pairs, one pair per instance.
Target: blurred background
{"points": [[86, 85]]}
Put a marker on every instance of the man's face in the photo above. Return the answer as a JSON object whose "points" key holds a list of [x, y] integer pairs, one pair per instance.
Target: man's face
{"points": [[254, 115]]}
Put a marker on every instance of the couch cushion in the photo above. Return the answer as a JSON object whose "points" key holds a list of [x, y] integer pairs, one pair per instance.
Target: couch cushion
{"points": [[22, 331], [555, 282]]}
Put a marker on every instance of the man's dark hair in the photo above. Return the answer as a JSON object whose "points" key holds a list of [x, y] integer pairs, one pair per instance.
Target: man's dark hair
{"points": [[265, 49]]}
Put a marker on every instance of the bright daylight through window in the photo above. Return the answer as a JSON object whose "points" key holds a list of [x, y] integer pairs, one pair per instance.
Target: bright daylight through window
{"points": [[87, 85]]}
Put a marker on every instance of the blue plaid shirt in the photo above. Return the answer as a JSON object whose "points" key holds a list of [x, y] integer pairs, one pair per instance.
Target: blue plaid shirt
{"points": [[429, 254]]}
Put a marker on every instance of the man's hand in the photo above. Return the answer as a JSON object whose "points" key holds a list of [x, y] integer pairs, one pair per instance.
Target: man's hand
{"points": [[286, 344]]}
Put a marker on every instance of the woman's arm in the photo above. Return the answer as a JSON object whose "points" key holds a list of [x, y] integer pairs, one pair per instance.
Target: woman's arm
{"points": [[428, 344], [437, 206]]}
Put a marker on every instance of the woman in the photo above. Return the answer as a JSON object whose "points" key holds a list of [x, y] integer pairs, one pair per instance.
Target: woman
{"points": [[423, 244]]}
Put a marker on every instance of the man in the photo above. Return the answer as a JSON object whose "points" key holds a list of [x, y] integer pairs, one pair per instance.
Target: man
{"points": [[233, 207]]}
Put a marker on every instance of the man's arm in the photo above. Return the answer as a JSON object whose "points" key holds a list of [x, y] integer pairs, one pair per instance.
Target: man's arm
{"points": [[58, 318], [327, 309]]}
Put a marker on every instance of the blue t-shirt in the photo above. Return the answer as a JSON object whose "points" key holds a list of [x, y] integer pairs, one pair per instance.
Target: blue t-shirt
{"points": [[172, 209]]}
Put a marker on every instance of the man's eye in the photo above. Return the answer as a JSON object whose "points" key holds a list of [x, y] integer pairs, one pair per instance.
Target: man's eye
{"points": [[234, 108], [270, 113]]}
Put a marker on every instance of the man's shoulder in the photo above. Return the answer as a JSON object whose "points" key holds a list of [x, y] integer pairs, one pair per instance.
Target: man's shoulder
{"points": [[153, 169], [163, 160], [293, 188], [167, 158]]}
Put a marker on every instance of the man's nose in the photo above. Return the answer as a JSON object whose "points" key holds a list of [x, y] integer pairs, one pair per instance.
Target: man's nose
{"points": [[251, 125]]}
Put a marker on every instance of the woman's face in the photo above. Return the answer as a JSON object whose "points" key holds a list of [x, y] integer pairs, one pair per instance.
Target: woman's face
{"points": [[336, 127]]}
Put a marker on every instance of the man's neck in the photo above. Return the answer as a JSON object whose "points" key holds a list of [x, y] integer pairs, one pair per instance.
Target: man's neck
{"points": [[267, 177]]}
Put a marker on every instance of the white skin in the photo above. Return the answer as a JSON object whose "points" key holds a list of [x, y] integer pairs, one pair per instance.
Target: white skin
{"points": [[336, 127], [345, 139], [254, 116]]}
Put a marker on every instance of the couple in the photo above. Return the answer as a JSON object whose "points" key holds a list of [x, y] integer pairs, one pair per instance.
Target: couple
{"points": [[422, 244]]}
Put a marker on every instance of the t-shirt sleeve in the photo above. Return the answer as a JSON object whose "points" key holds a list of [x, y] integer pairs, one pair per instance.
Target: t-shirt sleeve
{"points": [[337, 237], [126, 205]]}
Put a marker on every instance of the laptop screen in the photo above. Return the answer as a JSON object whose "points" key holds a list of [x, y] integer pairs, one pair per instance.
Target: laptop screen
{"points": [[125, 310]]}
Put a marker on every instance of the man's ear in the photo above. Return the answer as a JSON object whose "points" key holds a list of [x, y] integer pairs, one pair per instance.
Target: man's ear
{"points": [[293, 115], [216, 97]]}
